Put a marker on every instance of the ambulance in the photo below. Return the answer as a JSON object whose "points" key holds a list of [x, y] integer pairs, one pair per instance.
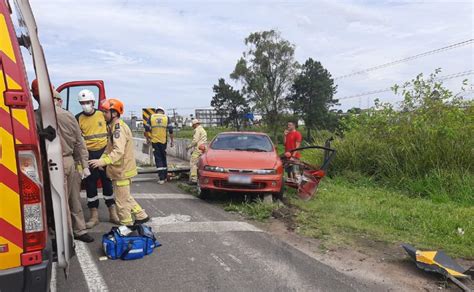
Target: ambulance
{"points": [[34, 221]]}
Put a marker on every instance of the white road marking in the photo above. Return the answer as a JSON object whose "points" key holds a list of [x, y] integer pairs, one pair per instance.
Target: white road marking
{"points": [[173, 218], [93, 277], [236, 259], [166, 226], [52, 286], [213, 226], [221, 262], [154, 196]]}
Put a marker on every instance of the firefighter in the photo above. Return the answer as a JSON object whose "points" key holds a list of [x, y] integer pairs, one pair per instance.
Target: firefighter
{"points": [[199, 138], [157, 132], [74, 150], [119, 157], [94, 131]]}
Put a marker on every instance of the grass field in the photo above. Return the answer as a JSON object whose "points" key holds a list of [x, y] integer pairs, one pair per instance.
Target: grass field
{"points": [[351, 206], [344, 211]]}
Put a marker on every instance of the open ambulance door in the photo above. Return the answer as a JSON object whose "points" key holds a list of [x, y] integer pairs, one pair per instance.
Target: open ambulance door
{"points": [[53, 156], [307, 176], [69, 92]]}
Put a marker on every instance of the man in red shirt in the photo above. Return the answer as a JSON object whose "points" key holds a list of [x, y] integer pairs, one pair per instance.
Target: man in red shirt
{"points": [[292, 139]]}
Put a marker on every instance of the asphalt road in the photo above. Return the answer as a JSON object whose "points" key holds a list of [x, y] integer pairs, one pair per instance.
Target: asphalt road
{"points": [[204, 249]]}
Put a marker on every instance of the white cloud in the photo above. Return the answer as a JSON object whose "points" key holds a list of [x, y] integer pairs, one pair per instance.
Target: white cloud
{"points": [[179, 49], [114, 58]]}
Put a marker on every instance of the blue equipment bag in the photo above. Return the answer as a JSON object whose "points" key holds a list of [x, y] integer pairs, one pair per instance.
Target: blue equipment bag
{"points": [[136, 245]]}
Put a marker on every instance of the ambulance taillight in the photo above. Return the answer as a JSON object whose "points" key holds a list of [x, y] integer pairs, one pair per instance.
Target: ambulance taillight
{"points": [[32, 204]]}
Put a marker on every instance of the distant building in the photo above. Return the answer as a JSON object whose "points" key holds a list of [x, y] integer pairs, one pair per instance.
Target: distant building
{"points": [[134, 123], [209, 117], [177, 121]]}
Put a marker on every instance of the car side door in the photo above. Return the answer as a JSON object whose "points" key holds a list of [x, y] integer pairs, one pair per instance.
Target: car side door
{"points": [[69, 92]]}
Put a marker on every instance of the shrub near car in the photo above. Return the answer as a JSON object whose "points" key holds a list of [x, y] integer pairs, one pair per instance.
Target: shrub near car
{"points": [[240, 162]]}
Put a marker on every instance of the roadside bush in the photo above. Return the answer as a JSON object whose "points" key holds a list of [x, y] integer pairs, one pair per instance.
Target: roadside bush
{"points": [[424, 147]]}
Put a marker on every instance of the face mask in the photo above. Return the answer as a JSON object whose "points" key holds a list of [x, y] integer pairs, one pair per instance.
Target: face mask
{"points": [[87, 108]]}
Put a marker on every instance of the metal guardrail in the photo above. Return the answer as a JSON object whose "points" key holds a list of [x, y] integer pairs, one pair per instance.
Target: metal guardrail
{"points": [[172, 170]]}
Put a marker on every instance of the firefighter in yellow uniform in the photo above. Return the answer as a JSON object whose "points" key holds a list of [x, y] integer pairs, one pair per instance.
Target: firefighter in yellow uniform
{"points": [[94, 131], [119, 157], [199, 138], [157, 130]]}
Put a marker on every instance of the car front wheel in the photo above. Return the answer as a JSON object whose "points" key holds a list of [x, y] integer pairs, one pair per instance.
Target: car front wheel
{"points": [[203, 193]]}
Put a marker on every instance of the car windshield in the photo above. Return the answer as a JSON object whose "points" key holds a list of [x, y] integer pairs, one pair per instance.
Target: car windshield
{"points": [[242, 142]]}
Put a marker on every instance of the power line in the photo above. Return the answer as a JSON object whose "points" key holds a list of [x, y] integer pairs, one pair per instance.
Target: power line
{"points": [[446, 48], [442, 78], [189, 108]]}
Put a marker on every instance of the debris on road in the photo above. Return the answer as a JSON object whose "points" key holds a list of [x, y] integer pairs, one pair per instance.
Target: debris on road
{"points": [[441, 263]]}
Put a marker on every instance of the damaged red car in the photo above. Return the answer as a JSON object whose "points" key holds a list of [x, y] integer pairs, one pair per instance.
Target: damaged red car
{"points": [[248, 162], [240, 162]]}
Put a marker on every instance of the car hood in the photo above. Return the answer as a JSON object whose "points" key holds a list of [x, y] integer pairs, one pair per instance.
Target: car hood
{"points": [[241, 159]]}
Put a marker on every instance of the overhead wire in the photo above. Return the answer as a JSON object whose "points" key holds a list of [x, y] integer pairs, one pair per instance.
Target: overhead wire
{"points": [[441, 78], [410, 58]]}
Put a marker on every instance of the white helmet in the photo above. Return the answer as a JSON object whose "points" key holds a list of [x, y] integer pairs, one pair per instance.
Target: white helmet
{"points": [[160, 109], [86, 95]]}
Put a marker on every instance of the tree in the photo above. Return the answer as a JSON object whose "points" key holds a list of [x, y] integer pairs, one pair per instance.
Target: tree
{"points": [[266, 71], [229, 103], [312, 95], [354, 110]]}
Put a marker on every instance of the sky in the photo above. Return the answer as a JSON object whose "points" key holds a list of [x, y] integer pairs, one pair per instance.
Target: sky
{"points": [[171, 53]]}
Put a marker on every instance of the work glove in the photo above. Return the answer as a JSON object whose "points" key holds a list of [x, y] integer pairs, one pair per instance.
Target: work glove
{"points": [[86, 172], [96, 163]]}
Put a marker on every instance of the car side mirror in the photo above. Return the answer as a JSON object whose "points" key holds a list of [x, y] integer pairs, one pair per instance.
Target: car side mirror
{"points": [[202, 148]]}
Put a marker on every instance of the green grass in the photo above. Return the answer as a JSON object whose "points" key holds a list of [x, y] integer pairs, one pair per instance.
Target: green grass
{"points": [[187, 188], [343, 211], [257, 210], [352, 206], [187, 132]]}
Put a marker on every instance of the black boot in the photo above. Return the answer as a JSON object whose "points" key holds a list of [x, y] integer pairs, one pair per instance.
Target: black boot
{"points": [[142, 221], [84, 238]]}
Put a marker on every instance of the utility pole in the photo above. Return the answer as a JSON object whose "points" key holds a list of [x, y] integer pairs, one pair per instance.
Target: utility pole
{"points": [[174, 115]]}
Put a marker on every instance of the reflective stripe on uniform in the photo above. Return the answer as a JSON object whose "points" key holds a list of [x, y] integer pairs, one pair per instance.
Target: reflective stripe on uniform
{"points": [[127, 221], [93, 199], [89, 137], [131, 173], [106, 159], [162, 168], [137, 209], [122, 183], [108, 197]]}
